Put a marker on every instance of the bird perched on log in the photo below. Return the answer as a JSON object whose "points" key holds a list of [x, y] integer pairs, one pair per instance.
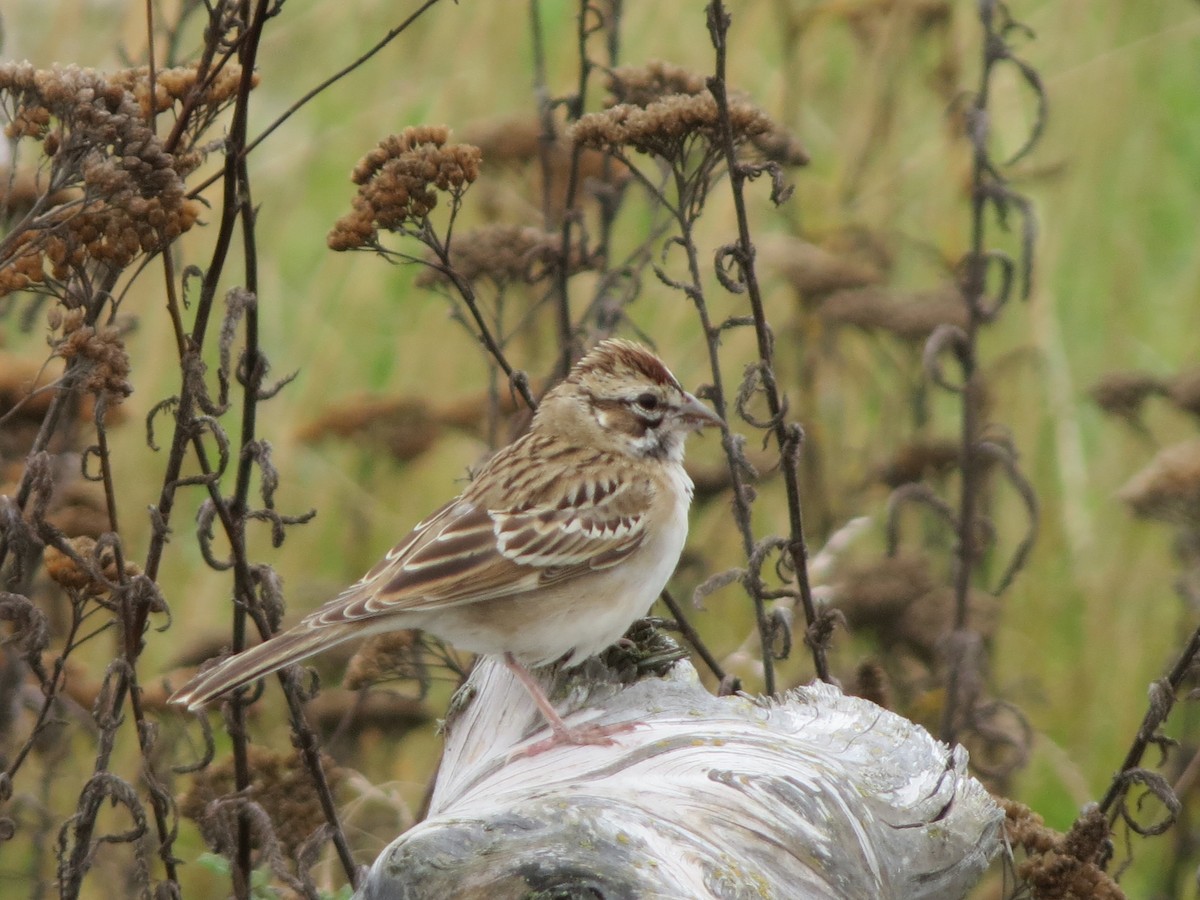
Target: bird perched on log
{"points": [[561, 542]]}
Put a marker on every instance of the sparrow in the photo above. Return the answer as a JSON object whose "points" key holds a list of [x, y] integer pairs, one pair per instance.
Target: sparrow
{"points": [[562, 540]]}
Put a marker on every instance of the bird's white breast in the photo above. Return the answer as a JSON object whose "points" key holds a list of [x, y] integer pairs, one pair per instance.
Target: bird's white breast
{"points": [[631, 588]]}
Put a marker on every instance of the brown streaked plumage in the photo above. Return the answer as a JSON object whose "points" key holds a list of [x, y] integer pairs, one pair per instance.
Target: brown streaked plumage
{"points": [[564, 538]]}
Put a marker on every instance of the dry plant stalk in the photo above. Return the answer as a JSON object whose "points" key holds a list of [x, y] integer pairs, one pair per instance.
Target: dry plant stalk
{"points": [[949, 323], [697, 132], [110, 195], [118, 184]]}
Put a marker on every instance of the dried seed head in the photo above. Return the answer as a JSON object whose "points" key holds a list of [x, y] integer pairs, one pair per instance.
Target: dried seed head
{"points": [[126, 193], [19, 378], [918, 460], [399, 182], [1123, 393], [280, 784], [676, 103], [518, 142], [102, 353], [927, 623], [173, 86], [1168, 489], [510, 140], [405, 427], [910, 316], [65, 571], [1184, 391], [19, 191], [815, 271], [781, 146], [507, 253], [871, 682], [874, 595], [26, 393], [385, 657], [665, 127], [643, 85], [1061, 865]]}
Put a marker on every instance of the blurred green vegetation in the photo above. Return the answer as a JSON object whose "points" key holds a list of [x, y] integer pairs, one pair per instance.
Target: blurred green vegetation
{"points": [[868, 87]]}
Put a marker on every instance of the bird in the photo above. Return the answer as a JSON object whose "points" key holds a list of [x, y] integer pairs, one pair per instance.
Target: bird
{"points": [[559, 543]]}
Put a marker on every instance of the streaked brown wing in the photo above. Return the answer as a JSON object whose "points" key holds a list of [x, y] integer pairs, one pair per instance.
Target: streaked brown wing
{"points": [[557, 538], [463, 553]]}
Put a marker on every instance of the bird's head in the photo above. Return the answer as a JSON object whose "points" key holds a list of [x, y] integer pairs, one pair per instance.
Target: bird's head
{"points": [[621, 397]]}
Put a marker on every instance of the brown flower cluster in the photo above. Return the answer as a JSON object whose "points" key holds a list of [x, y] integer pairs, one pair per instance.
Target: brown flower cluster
{"points": [[520, 142], [654, 108], [1183, 390], [385, 657], [398, 183], [65, 571], [815, 271], [127, 193], [173, 86], [504, 254], [99, 350], [899, 599], [1123, 394], [19, 191], [643, 85], [665, 127], [280, 785], [918, 460], [1057, 865], [1168, 488], [910, 316]]}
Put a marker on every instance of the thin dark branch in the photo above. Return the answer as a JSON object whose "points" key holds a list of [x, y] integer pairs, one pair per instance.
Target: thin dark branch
{"points": [[788, 438], [310, 94], [988, 191], [692, 636]]}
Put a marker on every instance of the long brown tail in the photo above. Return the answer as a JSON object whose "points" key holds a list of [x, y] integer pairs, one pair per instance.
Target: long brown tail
{"points": [[269, 656]]}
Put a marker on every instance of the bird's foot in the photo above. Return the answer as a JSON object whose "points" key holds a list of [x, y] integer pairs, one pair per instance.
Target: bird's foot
{"points": [[579, 736]]}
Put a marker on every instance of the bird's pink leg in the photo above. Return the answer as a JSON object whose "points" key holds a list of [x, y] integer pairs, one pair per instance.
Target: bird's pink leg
{"points": [[583, 735]]}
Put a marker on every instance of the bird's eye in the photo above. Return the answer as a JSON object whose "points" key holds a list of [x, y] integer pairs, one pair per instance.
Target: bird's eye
{"points": [[648, 401]]}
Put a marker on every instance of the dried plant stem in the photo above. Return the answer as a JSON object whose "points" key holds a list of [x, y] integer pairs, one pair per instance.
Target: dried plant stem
{"points": [[50, 693], [973, 290], [204, 71], [788, 437], [717, 394], [237, 177], [608, 203], [136, 619], [1162, 700], [151, 61], [988, 190], [516, 380], [692, 636], [547, 139], [541, 91], [319, 88], [689, 181], [63, 398], [160, 803]]}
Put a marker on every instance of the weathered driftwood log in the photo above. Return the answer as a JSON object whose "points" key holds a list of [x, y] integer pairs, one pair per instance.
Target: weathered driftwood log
{"points": [[816, 795]]}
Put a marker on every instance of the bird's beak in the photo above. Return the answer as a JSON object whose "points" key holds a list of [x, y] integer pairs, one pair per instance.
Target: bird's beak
{"points": [[696, 414]]}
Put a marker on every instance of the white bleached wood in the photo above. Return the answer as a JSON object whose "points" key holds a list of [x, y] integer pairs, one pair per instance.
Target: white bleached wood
{"points": [[817, 795]]}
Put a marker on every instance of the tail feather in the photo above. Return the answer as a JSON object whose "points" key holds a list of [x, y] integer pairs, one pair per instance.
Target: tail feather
{"points": [[269, 656]]}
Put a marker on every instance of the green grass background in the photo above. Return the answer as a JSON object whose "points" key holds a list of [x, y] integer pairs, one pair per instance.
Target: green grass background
{"points": [[1115, 183]]}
